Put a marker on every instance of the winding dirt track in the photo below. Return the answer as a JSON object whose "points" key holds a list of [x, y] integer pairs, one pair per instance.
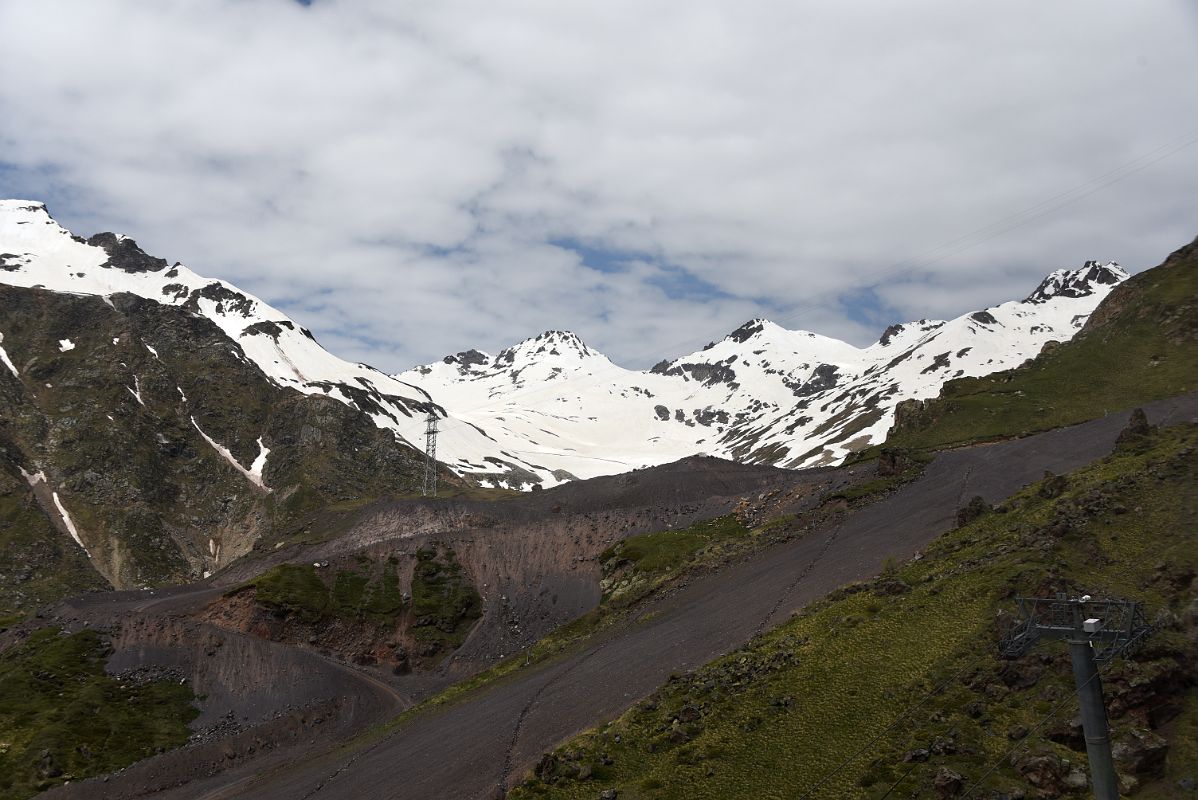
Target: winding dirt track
{"points": [[480, 745]]}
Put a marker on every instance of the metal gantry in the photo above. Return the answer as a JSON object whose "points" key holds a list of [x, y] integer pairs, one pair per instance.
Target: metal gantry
{"points": [[1096, 631], [430, 455]]}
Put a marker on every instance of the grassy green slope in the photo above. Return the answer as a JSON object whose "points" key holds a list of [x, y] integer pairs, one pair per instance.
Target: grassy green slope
{"points": [[1140, 344], [63, 718], [775, 718]]}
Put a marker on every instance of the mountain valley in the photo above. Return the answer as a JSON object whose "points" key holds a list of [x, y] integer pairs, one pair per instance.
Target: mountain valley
{"points": [[724, 575]]}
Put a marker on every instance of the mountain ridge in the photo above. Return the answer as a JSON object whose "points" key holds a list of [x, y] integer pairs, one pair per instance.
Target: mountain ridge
{"points": [[518, 419], [750, 395]]}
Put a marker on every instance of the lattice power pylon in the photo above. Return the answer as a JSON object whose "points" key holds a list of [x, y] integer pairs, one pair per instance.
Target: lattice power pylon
{"points": [[430, 455], [1096, 630]]}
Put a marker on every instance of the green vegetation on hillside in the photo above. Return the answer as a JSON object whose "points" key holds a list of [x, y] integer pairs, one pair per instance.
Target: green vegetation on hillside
{"points": [[354, 596], [633, 567], [63, 718], [1141, 344], [445, 604], [776, 718], [294, 589]]}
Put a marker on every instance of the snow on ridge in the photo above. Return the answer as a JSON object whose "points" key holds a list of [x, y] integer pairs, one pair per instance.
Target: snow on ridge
{"points": [[285, 352], [761, 394]]}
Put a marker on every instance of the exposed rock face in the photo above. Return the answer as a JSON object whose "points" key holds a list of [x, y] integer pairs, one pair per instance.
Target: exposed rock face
{"points": [[1081, 283], [1141, 753], [976, 507], [947, 783], [124, 254]]}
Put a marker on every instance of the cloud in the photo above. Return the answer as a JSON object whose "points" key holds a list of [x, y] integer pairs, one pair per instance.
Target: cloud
{"points": [[410, 181]]}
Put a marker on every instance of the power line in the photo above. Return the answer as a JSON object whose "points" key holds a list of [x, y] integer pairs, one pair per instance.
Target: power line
{"points": [[902, 778], [1172, 147]]}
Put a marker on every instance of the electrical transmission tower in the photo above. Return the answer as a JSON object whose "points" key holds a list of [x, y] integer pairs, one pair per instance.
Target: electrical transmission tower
{"points": [[1097, 631], [430, 455]]}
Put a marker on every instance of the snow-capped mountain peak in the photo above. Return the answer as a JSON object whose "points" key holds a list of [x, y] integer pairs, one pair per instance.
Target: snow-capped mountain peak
{"points": [[763, 393], [556, 346], [1092, 277]]}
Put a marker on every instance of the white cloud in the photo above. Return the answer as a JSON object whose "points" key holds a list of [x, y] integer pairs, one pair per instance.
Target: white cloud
{"points": [[393, 174]]}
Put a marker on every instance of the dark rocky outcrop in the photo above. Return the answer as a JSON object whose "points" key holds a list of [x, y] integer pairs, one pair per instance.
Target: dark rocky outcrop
{"points": [[125, 255]]}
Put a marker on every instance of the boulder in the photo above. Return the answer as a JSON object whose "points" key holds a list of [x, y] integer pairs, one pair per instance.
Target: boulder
{"points": [[947, 783], [1141, 753]]}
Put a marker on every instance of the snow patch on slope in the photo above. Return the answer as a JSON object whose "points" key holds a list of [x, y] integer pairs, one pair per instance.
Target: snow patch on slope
{"points": [[33, 479], [7, 361], [66, 519], [135, 390], [36, 479], [254, 474], [255, 470]]}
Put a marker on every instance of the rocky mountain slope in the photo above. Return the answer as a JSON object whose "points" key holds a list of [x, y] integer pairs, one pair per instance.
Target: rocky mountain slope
{"points": [[157, 451], [141, 441], [1123, 526]]}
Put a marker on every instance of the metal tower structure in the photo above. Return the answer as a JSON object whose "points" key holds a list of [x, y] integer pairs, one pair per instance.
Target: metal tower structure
{"points": [[430, 455], [1096, 631]]}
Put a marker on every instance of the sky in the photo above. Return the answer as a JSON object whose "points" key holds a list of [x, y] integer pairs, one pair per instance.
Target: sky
{"points": [[410, 180]]}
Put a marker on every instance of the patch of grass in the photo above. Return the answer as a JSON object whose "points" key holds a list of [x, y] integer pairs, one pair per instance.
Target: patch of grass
{"points": [[294, 589], [9, 620], [383, 600], [63, 718], [361, 596], [445, 604], [635, 566], [775, 718]]}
